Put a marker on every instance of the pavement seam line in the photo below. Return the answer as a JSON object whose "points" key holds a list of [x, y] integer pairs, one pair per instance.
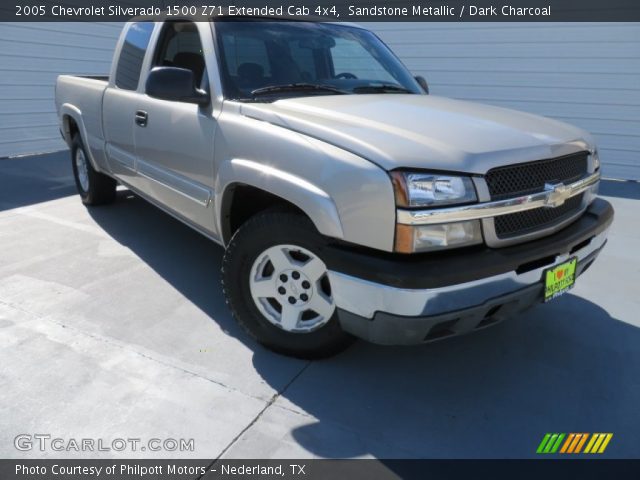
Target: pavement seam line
{"points": [[119, 345], [271, 401]]}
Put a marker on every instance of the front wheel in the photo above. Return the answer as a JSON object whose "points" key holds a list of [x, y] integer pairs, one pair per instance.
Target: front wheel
{"points": [[278, 289]]}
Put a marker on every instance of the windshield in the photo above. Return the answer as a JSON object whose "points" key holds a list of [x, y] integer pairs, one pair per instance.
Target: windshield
{"points": [[295, 57]]}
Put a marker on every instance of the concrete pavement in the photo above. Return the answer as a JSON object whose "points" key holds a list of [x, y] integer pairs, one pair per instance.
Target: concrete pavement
{"points": [[112, 325]]}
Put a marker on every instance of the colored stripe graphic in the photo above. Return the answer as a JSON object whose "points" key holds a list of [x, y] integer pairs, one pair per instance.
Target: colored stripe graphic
{"points": [[596, 445], [556, 445], [576, 439], [568, 442], [581, 443], [573, 443], [598, 442], [543, 443], [605, 443], [550, 443], [594, 437]]}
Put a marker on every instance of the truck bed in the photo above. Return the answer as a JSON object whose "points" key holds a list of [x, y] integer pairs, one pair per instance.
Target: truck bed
{"points": [[83, 94]]}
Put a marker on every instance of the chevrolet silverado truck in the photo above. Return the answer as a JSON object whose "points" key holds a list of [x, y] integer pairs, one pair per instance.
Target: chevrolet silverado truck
{"points": [[350, 202]]}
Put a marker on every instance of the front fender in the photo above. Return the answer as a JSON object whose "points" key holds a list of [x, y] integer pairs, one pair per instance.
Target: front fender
{"points": [[312, 200]]}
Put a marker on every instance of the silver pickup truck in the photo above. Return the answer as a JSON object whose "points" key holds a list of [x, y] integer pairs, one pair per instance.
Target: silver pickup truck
{"points": [[350, 202]]}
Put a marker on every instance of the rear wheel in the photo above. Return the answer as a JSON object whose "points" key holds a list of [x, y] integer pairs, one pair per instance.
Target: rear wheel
{"points": [[278, 288], [94, 187]]}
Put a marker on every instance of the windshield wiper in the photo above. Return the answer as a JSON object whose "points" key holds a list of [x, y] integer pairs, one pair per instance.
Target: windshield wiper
{"points": [[384, 88], [296, 87]]}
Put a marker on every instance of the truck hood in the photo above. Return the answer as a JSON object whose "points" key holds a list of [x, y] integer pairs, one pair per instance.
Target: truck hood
{"points": [[423, 131]]}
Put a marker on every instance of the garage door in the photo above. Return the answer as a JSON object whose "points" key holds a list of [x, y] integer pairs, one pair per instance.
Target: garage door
{"points": [[587, 74], [32, 55]]}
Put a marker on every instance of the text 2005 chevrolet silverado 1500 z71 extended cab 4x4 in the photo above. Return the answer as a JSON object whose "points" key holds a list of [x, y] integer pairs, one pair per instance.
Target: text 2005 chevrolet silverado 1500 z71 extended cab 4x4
{"points": [[350, 202]]}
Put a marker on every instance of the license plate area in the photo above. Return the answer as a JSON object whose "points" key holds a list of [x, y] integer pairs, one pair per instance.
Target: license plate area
{"points": [[559, 279]]}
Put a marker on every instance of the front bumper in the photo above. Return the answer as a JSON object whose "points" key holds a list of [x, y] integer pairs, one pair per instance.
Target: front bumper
{"points": [[396, 299]]}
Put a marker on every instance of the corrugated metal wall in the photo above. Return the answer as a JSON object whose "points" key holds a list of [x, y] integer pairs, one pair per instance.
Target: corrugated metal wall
{"points": [[32, 55], [587, 74]]}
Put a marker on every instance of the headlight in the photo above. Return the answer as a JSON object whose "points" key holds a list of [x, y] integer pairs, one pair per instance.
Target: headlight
{"points": [[596, 159], [431, 189], [414, 189], [422, 238]]}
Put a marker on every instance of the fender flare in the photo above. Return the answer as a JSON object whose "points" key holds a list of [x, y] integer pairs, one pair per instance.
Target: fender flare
{"points": [[69, 110], [312, 200]]}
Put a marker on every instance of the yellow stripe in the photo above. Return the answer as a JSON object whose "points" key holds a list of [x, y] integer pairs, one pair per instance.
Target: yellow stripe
{"points": [[567, 442], [582, 440], [574, 443], [605, 443], [596, 445], [590, 444]]}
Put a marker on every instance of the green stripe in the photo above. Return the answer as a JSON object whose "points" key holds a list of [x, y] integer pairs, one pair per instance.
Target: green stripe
{"points": [[543, 443], [547, 449], [558, 442]]}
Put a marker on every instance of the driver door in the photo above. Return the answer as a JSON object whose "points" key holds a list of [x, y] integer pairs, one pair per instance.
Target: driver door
{"points": [[174, 140]]}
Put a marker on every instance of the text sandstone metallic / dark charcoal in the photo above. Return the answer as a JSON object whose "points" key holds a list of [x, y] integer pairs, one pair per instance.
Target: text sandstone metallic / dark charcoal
{"points": [[521, 223], [531, 177]]}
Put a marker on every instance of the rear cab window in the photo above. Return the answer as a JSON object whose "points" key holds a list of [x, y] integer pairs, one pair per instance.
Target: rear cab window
{"points": [[132, 55]]}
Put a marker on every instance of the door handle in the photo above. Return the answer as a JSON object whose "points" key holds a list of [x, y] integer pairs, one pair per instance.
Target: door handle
{"points": [[141, 118]]}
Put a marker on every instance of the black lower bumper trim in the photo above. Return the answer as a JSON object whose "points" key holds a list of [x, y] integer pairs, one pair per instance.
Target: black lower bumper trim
{"points": [[440, 269], [389, 329]]}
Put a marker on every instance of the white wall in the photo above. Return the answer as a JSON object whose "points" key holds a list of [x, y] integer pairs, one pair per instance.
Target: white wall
{"points": [[584, 74], [32, 55]]}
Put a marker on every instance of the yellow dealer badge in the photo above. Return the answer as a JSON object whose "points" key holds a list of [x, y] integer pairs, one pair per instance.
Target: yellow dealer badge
{"points": [[560, 279]]}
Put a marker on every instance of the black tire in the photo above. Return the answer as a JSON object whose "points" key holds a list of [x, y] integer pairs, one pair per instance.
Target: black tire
{"points": [[100, 189], [258, 234]]}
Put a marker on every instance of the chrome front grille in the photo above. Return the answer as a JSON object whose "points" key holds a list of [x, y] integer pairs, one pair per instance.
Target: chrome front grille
{"points": [[529, 221], [532, 177]]}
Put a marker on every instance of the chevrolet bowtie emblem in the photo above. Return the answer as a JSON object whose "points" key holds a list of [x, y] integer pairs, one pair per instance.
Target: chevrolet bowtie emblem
{"points": [[558, 193]]}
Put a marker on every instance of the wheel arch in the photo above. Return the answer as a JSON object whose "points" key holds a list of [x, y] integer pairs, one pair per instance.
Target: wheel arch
{"points": [[252, 187], [69, 128], [72, 123]]}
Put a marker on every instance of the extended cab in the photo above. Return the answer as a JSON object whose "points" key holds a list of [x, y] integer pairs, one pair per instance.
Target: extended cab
{"points": [[349, 200]]}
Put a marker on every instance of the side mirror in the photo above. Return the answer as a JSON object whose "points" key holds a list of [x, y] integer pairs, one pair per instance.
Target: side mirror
{"points": [[176, 84], [423, 83]]}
